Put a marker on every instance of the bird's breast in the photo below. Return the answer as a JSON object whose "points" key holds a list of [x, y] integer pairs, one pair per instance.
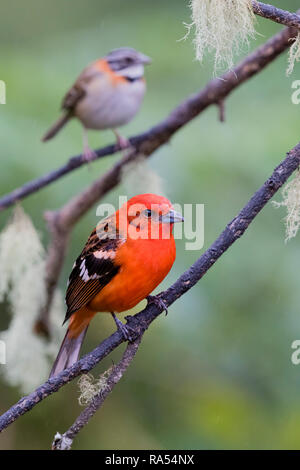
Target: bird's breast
{"points": [[109, 103], [143, 265]]}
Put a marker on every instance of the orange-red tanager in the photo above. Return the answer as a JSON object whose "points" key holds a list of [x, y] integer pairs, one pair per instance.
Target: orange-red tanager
{"points": [[124, 259]]}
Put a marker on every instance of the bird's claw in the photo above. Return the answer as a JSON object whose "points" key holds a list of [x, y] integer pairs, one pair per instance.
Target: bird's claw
{"points": [[122, 142], [124, 329], [158, 301], [89, 155]]}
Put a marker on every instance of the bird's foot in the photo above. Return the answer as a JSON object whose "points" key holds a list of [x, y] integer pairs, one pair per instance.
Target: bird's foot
{"points": [[125, 329], [122, 142], [156, 300], [88, 155]]}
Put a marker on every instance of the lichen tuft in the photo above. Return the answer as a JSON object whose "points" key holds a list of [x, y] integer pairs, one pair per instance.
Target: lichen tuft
{"points": [[222, 27], [291, 200]]}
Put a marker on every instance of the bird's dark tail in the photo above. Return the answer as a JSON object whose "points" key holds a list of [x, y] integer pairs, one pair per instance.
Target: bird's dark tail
{"points": [[61, 122], [68, 353]]}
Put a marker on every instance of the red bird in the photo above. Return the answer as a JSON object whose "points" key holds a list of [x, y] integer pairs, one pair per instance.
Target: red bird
{"points": [[123, 261]]}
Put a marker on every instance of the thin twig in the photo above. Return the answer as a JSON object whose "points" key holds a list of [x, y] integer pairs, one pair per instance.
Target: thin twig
{"points": [[64, 442], [141, 321]]}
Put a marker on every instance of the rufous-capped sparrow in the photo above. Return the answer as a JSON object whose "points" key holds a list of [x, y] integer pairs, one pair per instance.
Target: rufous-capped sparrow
{"points": [[107, 94]]}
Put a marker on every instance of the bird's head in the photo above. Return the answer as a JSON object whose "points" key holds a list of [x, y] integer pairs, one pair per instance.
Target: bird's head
{"points": [[128, 62], [148, 216]]}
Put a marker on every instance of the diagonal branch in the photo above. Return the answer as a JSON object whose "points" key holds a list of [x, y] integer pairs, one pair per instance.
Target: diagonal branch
{"points": [[142, 320], [147, 142]]}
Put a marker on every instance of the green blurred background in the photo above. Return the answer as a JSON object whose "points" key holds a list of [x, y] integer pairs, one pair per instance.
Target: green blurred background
{"points": [[216, 373]]}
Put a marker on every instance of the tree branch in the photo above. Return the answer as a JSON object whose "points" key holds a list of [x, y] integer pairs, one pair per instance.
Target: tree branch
{"points": [[276, 14], [141, 321], [65, 441], [147, 142]]}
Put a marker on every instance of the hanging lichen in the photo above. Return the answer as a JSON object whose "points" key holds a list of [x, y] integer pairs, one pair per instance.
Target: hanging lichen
{"points": [[89, 387], [222, 27], [291, 200], [294, 54], [138, 177], [22, 284]]}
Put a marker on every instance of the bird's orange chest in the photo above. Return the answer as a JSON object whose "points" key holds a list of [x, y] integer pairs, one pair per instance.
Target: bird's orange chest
{"points": [[143, 265]]}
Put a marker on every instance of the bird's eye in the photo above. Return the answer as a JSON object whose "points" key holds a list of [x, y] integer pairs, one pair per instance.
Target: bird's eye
{"points": [[148, 213]]}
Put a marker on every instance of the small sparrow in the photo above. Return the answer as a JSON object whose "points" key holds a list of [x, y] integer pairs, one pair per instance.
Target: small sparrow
{"points": [[123, 261], [107, 94]]}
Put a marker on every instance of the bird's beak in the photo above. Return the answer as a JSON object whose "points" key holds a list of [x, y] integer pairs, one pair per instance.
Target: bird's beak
{"points": [[144, 59], [171, 217]]}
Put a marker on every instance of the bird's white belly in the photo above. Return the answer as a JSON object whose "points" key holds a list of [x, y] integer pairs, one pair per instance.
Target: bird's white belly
{"points": [[106, 106]]}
